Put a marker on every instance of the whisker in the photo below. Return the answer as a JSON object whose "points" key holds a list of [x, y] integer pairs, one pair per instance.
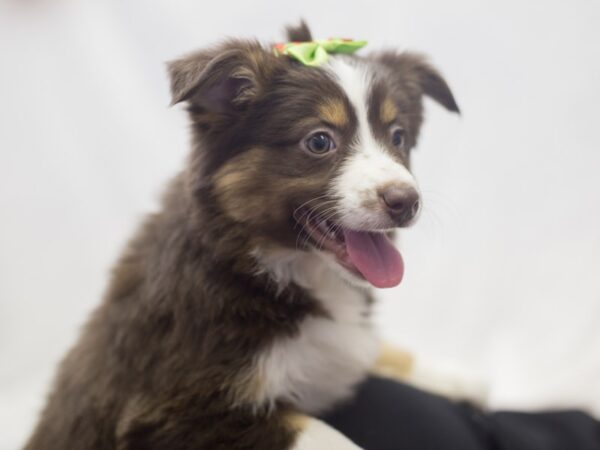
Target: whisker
{"points": [[326, 215], [300, 214]]}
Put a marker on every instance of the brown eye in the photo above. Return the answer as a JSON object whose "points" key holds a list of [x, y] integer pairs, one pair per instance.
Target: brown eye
{"points": [[320, 143], [398, 137]]}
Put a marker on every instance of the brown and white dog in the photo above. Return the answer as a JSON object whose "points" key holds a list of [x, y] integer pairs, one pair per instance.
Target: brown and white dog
{"points": [[242, 308]]}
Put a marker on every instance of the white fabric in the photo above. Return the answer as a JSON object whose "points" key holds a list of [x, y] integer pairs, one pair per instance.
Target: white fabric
{"points": [[501, 270]]}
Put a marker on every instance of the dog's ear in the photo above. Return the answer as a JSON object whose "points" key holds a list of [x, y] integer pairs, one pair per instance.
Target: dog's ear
{"points": [[223, 79], [413, 71], [299, 33]]}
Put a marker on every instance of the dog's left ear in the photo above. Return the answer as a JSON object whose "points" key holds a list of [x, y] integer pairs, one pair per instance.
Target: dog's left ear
{"points": [[413, 71], [223, 79]]}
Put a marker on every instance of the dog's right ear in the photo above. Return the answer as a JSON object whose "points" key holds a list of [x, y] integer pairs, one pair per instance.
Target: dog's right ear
{"points": [[412, 70], [223, 79]]}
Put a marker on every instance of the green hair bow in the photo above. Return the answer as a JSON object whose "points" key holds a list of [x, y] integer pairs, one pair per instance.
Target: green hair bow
{"points": [[315, 53]]}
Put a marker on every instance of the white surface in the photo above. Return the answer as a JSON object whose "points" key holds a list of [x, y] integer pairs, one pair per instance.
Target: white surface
{"points": [[502, 270]]}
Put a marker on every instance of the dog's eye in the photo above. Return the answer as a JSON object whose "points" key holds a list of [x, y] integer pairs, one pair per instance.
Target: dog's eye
{"points": [[320, 143], [398, 137]]}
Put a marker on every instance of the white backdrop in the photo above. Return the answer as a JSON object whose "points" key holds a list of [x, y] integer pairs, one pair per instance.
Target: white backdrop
{"points": [[502, 270]]}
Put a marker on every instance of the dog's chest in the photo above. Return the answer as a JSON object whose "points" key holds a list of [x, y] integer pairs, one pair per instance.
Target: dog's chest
{"points": [[329, 356]]}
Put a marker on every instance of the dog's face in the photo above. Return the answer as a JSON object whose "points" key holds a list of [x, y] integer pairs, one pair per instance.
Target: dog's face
{"points": [[312, 158]]}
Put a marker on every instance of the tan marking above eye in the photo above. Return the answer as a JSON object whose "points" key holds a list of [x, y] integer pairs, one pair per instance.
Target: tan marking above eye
{"points": [[388, 111], [333, 111]]}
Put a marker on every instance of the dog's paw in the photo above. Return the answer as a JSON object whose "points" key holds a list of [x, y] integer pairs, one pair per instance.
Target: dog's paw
{"points": [[317, 435], [449, 380]]}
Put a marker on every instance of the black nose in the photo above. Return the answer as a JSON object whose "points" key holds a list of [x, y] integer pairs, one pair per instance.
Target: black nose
{"points": [[401, 202]]}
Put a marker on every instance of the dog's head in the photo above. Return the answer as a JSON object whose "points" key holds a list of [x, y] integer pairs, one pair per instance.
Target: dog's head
{"points": [[311, 158]]}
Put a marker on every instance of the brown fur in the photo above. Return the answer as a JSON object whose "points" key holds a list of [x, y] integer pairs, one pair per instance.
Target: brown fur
{"points": [[333, 112], [300, 33], [164, 357]]}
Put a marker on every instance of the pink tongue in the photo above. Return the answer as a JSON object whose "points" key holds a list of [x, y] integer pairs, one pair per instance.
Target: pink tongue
{"points": [[375, 257]]}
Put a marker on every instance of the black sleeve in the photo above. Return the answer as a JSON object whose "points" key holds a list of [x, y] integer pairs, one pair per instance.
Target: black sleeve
{"points": [[387, 415]]}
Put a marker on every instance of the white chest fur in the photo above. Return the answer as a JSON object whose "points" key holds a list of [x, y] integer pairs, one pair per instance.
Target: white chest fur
{"points": [[322, 364]]}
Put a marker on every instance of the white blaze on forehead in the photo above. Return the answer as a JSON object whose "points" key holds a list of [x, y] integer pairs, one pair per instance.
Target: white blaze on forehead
{"points": [[370, 166]]}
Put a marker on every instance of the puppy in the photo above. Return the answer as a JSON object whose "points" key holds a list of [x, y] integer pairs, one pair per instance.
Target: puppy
{"points": [[241, 309]]}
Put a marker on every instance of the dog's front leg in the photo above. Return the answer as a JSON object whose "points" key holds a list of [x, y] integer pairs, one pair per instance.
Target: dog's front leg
{"points": [[435, 376], [313, 434]]}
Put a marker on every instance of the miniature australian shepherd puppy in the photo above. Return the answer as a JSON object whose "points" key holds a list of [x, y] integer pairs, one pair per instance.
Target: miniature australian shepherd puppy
{"points": [[241, 310]]}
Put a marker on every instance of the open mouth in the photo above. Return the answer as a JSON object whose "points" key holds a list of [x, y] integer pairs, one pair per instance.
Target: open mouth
{"points": [[370, 255]]}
